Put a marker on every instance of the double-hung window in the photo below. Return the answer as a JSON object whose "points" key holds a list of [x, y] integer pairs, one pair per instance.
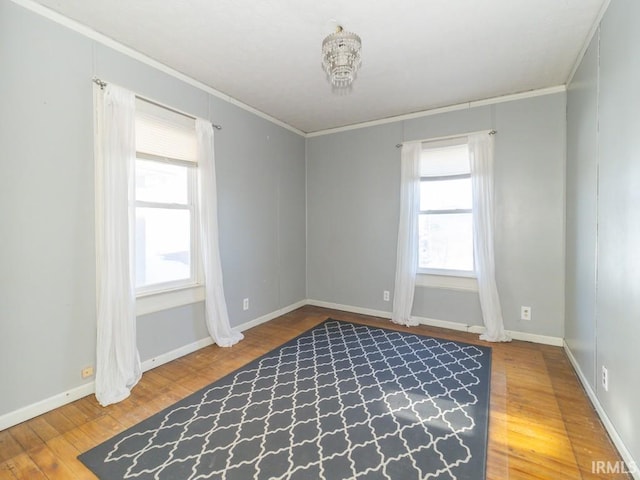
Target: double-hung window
{"points": [[445, 225], [165, 200]]}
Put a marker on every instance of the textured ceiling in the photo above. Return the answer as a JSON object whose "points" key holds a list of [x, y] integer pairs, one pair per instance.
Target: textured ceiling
{"points": [[417, 54]]}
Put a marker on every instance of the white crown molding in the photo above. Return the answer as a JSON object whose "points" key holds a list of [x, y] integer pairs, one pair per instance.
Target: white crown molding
{"points": [[384, 121], [436, 111], [540, 92], [109, 42], [613, 433], [592, 32]]}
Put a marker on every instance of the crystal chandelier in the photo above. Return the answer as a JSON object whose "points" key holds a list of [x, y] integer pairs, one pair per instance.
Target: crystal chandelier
{"points": [[341, 57]]}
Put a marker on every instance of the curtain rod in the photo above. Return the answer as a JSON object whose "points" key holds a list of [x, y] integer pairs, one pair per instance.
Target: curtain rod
{"points": [[447, 137], [103, 84]]}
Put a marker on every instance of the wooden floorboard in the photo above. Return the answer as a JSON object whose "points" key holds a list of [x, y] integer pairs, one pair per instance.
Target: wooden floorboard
{"points": [[542, 424]]}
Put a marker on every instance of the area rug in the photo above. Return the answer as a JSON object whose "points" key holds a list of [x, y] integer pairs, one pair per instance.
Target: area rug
{"points": [[340, 401]]}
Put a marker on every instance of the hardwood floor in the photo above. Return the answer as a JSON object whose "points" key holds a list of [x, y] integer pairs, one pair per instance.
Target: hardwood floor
{"points": [[542, 425]]}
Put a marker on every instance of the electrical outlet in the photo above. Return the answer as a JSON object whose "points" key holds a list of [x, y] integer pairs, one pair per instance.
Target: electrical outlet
{"points": [[87, 372], [605, 378], [525, 313], [385, 295], [245, 304]]}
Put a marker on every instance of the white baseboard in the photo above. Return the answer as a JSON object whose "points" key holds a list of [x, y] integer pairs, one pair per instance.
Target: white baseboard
{"points": [[270, 316], [205, 342], [461, 327], [432, 322], [535, 338], [30, 411], [17, 416], [479, 329], [349, 308], [632, 465], [177, 353]]}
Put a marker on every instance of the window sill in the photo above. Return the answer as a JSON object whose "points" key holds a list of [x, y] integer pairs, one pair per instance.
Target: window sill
{"points": [[156, 302], [448, 282]]}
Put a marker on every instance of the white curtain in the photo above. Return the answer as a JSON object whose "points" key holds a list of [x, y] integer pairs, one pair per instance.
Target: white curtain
{"points": [[407, 252], [481, 158], [217, 317], [117, 361]]}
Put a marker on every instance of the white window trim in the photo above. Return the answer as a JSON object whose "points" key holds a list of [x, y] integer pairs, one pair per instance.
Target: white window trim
{"points": [[164, 300], [447, 273], [444, 278], [448, 280], [163, 296]]}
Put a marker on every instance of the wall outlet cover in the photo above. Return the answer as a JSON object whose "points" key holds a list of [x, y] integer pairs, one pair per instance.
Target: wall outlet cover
{"points": [[605, 378]]}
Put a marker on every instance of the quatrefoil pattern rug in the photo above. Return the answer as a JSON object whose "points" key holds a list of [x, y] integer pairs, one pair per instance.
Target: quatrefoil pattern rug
{"points": [[341, 401]]}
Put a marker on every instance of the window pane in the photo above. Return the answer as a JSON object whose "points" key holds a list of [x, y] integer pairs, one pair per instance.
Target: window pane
{"points": [[445, 194], [446, 241], [163, 245], [161, 182]]}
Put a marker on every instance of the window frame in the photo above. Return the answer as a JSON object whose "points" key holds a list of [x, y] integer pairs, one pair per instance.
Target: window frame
{"points": [[439, 277], [195, 277], [163, 126]]}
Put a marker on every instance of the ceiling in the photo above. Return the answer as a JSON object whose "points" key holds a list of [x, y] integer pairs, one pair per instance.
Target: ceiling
{"points": [[416, 54]]}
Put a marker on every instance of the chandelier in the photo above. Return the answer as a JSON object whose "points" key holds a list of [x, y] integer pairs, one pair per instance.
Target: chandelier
{"points": [[341, 57]]}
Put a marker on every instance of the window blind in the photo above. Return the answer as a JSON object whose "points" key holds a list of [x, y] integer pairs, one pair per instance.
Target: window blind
{"points": [[164, 134], [438, 159]]}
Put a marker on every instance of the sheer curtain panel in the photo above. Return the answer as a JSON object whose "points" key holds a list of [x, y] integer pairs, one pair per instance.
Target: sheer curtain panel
{"points": [[481, 160], [217, 317], [118, 366], [407, 251]]}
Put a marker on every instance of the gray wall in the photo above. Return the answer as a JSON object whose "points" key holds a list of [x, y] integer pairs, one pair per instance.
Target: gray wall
{"points": [[352, 204], [47, 256], [352, 213], [605, 137], [581, 211]]}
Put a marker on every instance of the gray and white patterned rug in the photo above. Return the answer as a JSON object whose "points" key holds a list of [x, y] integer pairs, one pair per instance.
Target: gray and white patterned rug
{"points": [[341, 401]]}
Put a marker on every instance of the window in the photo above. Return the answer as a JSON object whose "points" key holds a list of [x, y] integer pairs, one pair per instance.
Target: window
{"points": [[165, 200], [445, 225]]}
